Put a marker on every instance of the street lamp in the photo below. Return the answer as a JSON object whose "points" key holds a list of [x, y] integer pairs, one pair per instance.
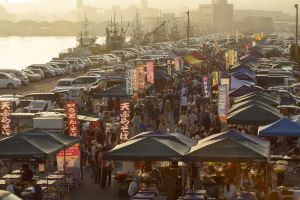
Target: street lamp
{"points": [[296, 6]]}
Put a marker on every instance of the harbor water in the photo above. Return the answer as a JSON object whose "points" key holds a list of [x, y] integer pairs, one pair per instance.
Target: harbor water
{"points": [[19, 52]]}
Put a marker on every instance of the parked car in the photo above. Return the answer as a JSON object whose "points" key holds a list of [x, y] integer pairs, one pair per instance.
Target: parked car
{"points": [[18, 74], [85, 81], [8, 81], [62, 65], [63, 84], [37, 106], [76, 65], [48, 72], [38, 71], [32, 76], [59, 71]]}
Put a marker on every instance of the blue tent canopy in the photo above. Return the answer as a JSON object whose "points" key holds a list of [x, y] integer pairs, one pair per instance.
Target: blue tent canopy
{"points": [[241, 91], [282, 127]]}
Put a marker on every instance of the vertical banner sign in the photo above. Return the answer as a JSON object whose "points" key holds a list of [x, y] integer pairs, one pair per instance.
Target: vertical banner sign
{"points": [[206, 87], [223, 103], [135, 80], [227, 59], [71, 110], [177, 64], [71, 157], [215, 78], [5, 109], [129, 83], [170, 64], [141, 77], [124, 121], [236, 59], [150, 72], [231, 55]]}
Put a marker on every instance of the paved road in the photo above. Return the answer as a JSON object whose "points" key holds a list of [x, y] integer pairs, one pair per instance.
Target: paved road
{"points": [[45, 85]]}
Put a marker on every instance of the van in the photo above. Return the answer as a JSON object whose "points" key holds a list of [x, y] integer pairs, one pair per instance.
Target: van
{"points": [[18, 74]]}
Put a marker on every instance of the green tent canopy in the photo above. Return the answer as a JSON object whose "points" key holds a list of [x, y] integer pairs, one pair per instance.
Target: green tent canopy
{"points": [[148, 148], [253, 115], [229, 147], [250, 102], [115, 91], [34, 144]]}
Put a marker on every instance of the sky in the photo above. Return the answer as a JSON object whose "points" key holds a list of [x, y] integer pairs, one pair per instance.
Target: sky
{"points": [[286, 6]]}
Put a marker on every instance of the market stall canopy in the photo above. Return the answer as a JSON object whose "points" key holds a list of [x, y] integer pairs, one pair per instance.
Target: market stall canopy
{"points": [[160, 75], [191, 60], [230, 147], [148, 148], [115, 91], [198, 55], [274, 52], [244, 75], [283, 127], [176, 137], [253, 115], [236, 83], [244, 104], [249, 58], [35, 143], [243, 90], [259, 96]]}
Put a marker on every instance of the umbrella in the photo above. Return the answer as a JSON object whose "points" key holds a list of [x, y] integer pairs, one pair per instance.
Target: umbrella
{"points": [[283, 127], [253, 115]]}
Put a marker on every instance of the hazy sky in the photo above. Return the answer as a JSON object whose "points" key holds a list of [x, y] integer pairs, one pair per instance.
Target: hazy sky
{"points": [[286, 6]]}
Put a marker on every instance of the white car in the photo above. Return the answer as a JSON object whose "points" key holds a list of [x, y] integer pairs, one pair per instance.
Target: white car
{"points": [[63, 84], [8, 81], [85, 81], [59, 71]]}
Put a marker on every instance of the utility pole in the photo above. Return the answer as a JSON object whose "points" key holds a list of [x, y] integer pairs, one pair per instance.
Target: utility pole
{"points": [[188, 28], [296, 6]]}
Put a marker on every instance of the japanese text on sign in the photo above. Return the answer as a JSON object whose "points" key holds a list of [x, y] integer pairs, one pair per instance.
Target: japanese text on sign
{"points": [[170, 64], [141, 77], [124, 121], [206, 86], [150, 72], [5, 107], [71, 110], [129, 82]]}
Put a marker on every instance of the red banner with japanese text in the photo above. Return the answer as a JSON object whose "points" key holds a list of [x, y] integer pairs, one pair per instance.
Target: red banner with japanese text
{"points": [[124, 121], [150, 72], [5, 109], [68, 159], [71, 111], [141, 77]]}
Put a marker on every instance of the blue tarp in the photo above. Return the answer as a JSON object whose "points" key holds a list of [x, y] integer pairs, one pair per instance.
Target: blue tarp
{"points": [[283, 127]]}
